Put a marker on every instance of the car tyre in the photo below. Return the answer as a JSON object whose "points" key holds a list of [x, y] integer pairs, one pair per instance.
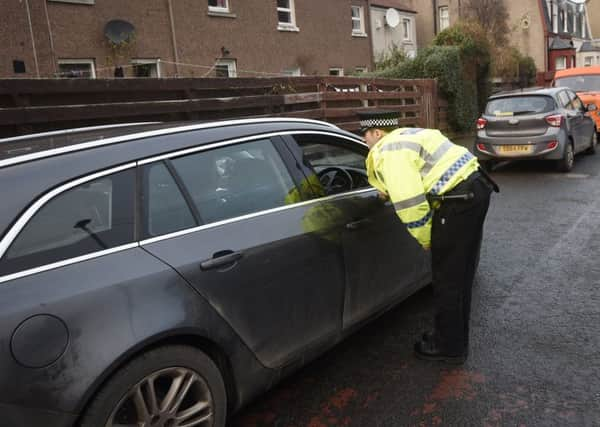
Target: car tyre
{"points": [[165, 386], [566, 163], [592, 149]]}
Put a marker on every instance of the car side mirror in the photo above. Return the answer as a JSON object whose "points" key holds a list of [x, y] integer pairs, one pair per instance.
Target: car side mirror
{"points": [[592, 107]]}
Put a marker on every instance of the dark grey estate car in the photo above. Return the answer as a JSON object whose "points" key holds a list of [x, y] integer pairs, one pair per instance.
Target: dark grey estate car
{"points": [[543, 124], [164, 275]]}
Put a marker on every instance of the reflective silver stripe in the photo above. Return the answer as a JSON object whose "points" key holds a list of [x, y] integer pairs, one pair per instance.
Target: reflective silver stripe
{"points": [[432, 159], [410, 203], [402, 145]]}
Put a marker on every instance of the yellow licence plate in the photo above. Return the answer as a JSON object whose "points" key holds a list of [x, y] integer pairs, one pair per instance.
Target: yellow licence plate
{"points": [[515, 149]]}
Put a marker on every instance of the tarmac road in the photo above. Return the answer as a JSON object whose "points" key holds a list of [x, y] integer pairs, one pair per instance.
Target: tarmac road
{"points": [[535, 328]]}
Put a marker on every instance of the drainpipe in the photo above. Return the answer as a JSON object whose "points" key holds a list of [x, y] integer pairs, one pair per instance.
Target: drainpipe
{"points": [[52, 52], [173, 38], [371, 40], [435, 17], [35, 58]]}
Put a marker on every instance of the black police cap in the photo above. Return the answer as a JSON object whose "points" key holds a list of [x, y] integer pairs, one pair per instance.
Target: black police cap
{"points": [[378, 120]]}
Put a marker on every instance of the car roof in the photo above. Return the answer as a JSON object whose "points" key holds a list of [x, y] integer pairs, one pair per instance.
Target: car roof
{"points": [[47, 144], [551, 91], [577, 71]]}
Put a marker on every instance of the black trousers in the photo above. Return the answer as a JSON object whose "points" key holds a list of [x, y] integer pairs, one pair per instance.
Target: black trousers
{"points": [[455, 243]]}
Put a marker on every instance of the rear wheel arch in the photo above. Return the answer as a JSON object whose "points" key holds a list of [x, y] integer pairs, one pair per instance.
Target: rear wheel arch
{"points": [[199, 342]]}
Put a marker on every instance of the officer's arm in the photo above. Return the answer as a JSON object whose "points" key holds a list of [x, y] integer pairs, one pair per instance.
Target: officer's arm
{"points": [[405, 188]]}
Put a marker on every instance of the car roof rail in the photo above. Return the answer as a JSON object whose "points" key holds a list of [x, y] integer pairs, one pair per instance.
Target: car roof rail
{"points": [[145, 134]]}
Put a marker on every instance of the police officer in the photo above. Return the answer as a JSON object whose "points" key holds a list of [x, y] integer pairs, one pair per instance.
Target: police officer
{"points": [[441, 194]]}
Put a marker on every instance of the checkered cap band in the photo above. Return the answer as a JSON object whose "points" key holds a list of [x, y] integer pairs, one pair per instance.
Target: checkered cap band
{"points": [[378, 123]]}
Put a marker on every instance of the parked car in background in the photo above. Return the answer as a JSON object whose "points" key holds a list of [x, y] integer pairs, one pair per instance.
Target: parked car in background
{"points": [[165, 274], [543, 124], [585, 81]]}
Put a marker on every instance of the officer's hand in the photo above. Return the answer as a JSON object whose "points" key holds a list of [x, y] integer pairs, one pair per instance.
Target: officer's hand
{"points": [[382, 196]]}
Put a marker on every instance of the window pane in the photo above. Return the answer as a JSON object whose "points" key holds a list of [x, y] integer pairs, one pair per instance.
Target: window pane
{"points": [[222, 71], [283, 4], [236, 180], [75, 70], [165, 210], [218, 3], [520, 105], [355, 12], [356, 25], [285, 17], [330, 161], [92, 217]]}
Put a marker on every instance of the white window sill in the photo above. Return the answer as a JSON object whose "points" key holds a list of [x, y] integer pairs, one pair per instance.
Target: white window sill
{"points": [[290, 28], [221, 14], [363, 35]]}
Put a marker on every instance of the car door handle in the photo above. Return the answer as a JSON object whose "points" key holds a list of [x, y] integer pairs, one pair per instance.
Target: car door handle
{"points": [[221, 259], [355, 225]]}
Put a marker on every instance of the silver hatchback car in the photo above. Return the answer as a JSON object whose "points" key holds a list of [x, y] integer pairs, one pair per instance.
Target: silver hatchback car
{"points": [[545, 124]]}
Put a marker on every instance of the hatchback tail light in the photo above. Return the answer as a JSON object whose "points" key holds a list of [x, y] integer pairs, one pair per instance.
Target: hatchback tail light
{"points": [[555, 120], [481, 123]]}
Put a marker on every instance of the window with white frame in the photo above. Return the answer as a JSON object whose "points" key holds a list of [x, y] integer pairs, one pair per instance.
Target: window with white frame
{"points": [[561, 63], [292, 72], [444, 17], [406, 29], [218, 6], [77, 68], [146, 67], [336, 71], [226, 68], [361, 70], [358, 20], [286, 14], [588, 61]]}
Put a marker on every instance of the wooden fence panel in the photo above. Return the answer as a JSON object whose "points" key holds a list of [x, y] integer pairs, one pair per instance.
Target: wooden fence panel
{"points": [[45, 104]]}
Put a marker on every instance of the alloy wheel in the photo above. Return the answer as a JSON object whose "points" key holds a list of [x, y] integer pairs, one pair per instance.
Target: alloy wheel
{"points": [[172, 397]]}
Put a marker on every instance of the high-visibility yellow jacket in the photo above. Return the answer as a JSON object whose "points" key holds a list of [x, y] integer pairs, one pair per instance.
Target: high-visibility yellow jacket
{"points": [[408, 163]]}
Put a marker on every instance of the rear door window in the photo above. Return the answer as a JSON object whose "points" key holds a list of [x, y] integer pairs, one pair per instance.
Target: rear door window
{"points": [[91, 217], [235, 180], [564, 99], [575, 101], [520, 105]]}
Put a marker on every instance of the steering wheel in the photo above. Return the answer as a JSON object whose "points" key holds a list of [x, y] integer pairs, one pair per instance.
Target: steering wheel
{"points": [[335, 179]]}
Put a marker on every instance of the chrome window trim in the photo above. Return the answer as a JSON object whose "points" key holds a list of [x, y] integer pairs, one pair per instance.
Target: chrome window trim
{"points": [[68, 261], [18, 226], [253, 215], [24, 219], [148, 134]]}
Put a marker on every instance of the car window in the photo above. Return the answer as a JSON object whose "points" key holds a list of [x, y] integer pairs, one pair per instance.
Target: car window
{"points": [[91, 217], [512, 106], [575, 101], [588, 83], [235, 180], [337, 165], [165, 208], [564, 99]]}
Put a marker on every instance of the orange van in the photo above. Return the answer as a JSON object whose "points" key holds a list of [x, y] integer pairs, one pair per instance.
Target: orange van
{"points": [[585, 81]]}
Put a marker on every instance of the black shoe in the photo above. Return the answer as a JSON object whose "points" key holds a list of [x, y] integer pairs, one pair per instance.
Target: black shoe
{"points": [[428, 350]]}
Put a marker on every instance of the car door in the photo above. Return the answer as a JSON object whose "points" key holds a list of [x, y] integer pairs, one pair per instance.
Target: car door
{"points": [[383, 263], [574, 120], [587, 128], [231, 222]]}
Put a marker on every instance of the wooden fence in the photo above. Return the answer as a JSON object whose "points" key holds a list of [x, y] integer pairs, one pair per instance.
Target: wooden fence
{"points": [[38, 105]]}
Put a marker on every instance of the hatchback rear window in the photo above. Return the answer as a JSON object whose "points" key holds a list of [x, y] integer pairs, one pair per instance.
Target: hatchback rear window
{"points": [[519, 105]]}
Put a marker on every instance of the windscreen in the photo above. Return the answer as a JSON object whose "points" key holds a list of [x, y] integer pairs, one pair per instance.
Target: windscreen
{"points": [[590, 83], [519, 105]]}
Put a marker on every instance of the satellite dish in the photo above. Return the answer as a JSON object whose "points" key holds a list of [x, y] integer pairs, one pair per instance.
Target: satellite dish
{"points": [[392, 17], [118, 31]]}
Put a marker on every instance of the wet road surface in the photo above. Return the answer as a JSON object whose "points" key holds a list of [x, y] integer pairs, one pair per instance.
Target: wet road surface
{"points": [[535, 328]]}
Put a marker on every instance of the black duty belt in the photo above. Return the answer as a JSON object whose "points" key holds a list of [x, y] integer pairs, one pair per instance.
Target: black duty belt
{"points": [[464, 195]]}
